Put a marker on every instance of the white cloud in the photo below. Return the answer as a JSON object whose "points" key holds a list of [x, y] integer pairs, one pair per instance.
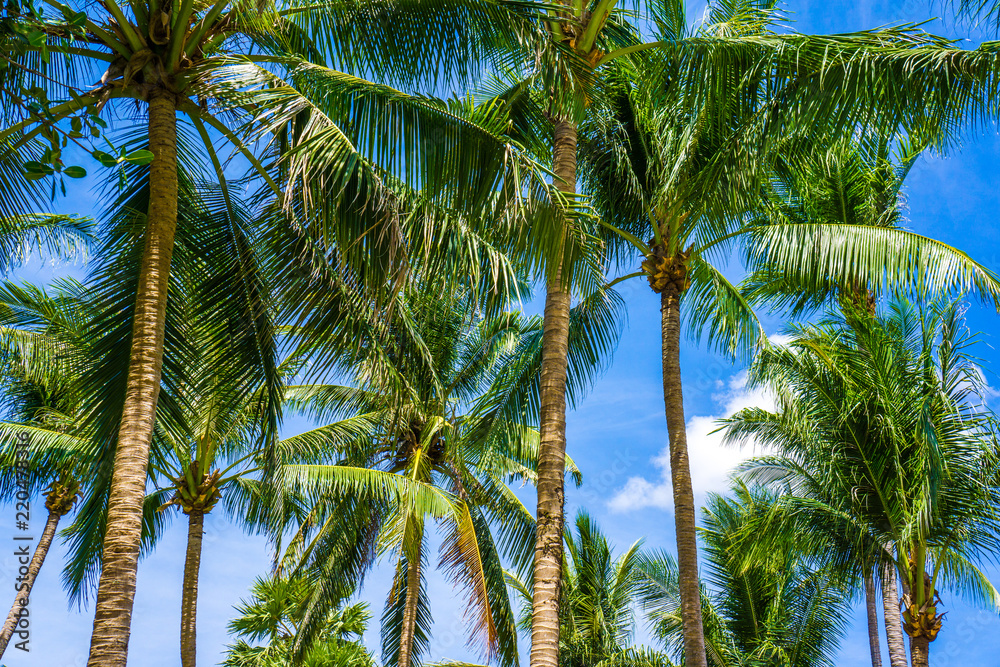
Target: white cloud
{"points": [[711, 461]]}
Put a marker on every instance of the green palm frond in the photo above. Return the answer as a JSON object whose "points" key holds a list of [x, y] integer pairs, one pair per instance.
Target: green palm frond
{"points": [[818, 259]]}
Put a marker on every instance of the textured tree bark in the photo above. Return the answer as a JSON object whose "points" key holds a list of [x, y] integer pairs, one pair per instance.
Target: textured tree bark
{"points": [[409, 612], [920, 649], [116, 590], [893, 619], [680, 478], [189, 595], [552, 450], [21, 597], [871, 605]]}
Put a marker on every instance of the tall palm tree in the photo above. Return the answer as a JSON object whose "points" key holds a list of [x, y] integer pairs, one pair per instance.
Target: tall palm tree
{"points": [[217, 450], [857, 184], [766, 607], [263, 67], [796, 74], [428, 402], [882, 436], [683, 175], [274, 612]]}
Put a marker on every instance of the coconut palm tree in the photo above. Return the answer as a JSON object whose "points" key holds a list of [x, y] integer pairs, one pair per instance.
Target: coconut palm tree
{"points": [[881, 435], [795, 74], [774, 606], [221, 387], [434, 386], [252, 74], [225, 353], [39, 358], [682, 175], [857, 184], [274, 612], [852, 183], [219, 448]]}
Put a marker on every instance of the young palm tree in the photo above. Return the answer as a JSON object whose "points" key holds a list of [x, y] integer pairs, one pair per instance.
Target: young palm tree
{"points": [[261, 66], [275, 612], [881, 436], [767, 607]]}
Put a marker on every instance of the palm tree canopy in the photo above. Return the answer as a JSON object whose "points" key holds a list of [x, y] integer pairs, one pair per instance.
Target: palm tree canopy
{"points": [[881, 433]]}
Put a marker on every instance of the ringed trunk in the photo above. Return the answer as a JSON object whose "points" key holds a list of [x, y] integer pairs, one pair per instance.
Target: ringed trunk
{"points": [[680, 478], [116, 590], [893, 618], [409, 611], [23, 594], [871, 606], [552, 449], [920, 648], [189, 594]]}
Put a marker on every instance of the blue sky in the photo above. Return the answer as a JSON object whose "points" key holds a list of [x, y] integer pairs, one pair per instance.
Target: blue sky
{"points": [[617, 435]]}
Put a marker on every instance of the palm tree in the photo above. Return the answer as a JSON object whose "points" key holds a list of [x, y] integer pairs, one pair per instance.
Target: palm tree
{"points": [[773, 606], [275, 612], [217, 450], [430, 443], [262, 66], [682, 175], [855, 184], [881, 436], [39, 359], [852, 183], [211, 399], [795, 73]]}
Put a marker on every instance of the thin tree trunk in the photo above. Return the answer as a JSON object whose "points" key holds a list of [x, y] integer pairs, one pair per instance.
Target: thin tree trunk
{"points": [[189, 594], [680, 478], [409, 611], [920, 649], [552, 449], [871, 605], [893, 620], [116, 590], [22, 595]]}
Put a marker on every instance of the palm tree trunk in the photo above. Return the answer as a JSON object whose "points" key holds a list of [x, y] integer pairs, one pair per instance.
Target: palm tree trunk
{"points": [[189, 594], [680, 478], [893, 621], [22, 596], [116, 590], [919, 651], [409, 611], [871, 605], [552, 449]]}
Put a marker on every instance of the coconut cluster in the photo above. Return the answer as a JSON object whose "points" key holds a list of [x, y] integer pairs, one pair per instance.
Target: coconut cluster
{"points": [[667, 273]]}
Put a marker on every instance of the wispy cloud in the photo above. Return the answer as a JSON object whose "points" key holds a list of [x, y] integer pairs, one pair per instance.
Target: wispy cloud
{"points": [[711, 461]]}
